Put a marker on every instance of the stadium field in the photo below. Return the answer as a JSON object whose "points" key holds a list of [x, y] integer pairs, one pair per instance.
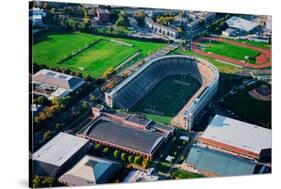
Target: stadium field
{"points": [[229, 50], [52, 48], [168, 96]]}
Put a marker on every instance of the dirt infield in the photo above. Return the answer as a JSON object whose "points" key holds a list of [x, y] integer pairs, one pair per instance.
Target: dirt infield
{"points": [[262, 61]]}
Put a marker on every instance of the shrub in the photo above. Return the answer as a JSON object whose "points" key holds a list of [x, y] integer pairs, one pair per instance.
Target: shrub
{"points": [[137, 160], [116, 153], [124, 156], [131, 158]]}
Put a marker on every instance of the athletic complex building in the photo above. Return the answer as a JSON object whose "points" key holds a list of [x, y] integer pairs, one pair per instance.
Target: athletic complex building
{"points": [[125, 132], [140, 83], [237, 138]]}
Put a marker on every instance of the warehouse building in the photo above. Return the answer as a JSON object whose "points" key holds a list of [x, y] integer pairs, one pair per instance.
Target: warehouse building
{"points": [[237, 137], [59, 154], [90, 170]]}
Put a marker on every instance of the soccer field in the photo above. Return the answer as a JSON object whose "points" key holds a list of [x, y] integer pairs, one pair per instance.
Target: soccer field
{"points": [[53, 48], [168, 96], [99, 57], [229, 50]]}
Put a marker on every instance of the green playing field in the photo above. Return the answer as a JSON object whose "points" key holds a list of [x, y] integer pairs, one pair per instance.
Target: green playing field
{"points": [[53, 48], [229, 50], [168, 96]]}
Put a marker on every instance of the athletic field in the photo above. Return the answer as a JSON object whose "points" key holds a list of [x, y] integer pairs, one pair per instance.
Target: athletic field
{"points": [[233, 52], [168, 97], [249, 108], [96, 53], [229, 50]]}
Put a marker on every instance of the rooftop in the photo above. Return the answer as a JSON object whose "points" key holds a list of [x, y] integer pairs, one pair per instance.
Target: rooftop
{"points": [[242, 24], [59, 149], [219, 163], [90, 170], [57, 79], [115, 133], [238, 134]]}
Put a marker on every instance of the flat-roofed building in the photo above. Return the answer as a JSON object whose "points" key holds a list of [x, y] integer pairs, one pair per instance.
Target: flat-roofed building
{"points": [[236, 137], [241, 24], [90, 170], [54, 84], [59, 154], [215, 163]]}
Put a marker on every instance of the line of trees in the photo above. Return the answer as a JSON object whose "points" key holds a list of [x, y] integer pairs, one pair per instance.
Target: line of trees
{"points": [[119, 155]]}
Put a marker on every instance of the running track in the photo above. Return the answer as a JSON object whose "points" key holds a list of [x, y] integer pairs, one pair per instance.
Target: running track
{"points": [[262, 61]]}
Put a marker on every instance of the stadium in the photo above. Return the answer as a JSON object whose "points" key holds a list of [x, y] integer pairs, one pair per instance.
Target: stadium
{"points": [[186, 82]]}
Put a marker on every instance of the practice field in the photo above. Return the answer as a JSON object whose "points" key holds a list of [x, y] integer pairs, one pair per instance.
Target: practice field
{"points": [[229, 50], [249, 108], [107, 52], [168, 96], [99, 57]]}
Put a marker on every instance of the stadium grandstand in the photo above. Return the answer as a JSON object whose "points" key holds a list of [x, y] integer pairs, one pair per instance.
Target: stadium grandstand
{"points": [[136, 86]]}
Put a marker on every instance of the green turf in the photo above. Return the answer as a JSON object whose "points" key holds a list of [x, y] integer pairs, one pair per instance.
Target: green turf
{"points": [[249, 108], [182, 174], [52, 48], [57, 46], [168, 96], [229, 50], [99, 57], [159, 118]]}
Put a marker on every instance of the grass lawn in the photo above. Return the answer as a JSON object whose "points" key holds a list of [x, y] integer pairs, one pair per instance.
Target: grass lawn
{"points": [[253, 43], [229, 50], [182, 174], [168, 96], [54, 47], [164, 167], [159, 118], [99, 57], [224, 68]]}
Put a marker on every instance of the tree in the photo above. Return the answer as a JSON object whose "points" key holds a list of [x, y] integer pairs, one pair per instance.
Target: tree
{"points": [[93, 98], [124, 156], [85, 104], [116, 154], [53, 11], [58, 125], [47, 135], [145, 163], [131, 158], [44, 182], [97, 146], [121, 21], [137, 160], [37, 120], [106, 150]]}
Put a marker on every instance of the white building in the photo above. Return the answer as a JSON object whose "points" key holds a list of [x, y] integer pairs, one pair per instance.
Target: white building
{"points": [[236, 137], [54, 84], [241, 24]]}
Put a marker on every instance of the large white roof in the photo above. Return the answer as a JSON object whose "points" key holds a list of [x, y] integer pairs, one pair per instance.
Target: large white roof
{"points": [[241, 24], [238, 134], [58, 150]]}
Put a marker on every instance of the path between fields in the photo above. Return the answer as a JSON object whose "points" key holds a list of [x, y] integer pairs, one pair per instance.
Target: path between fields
{"points": [[262, 61]]}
